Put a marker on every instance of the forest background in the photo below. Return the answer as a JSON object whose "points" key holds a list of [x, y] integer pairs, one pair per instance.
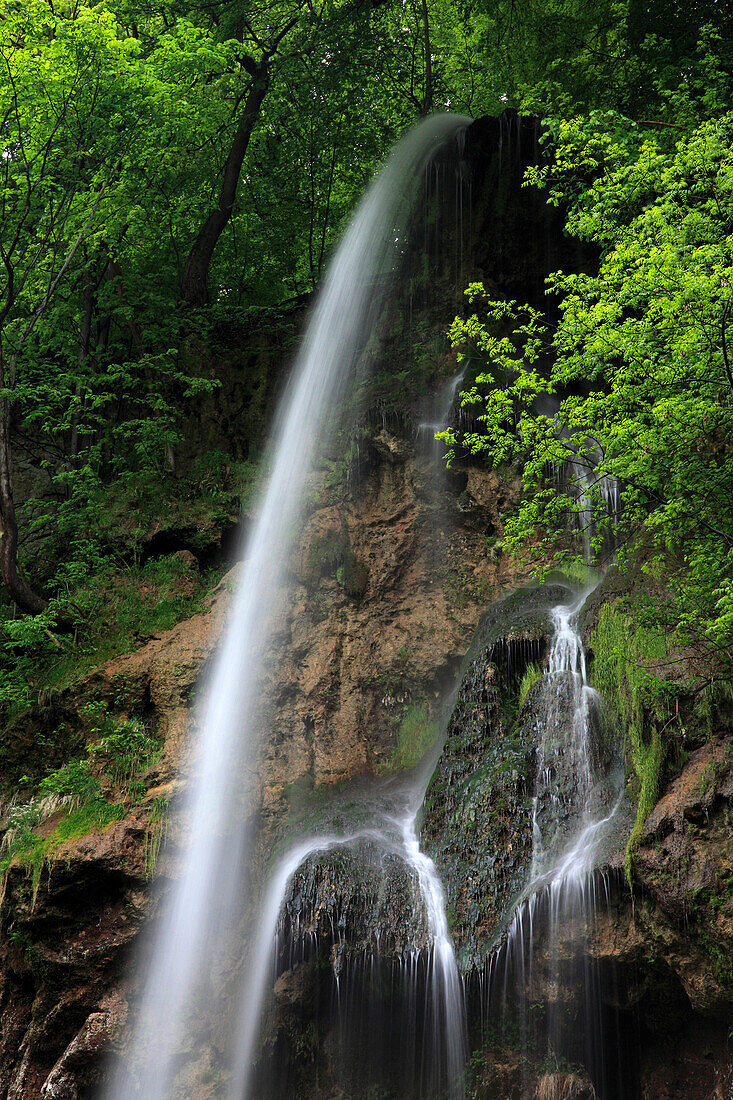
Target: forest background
{"points": [[171, 170]]}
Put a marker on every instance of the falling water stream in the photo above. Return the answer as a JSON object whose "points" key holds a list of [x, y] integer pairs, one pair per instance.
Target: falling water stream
{"points": [[440, 414], [203, 910], [393, 831], [204, 903], [545, 958]]}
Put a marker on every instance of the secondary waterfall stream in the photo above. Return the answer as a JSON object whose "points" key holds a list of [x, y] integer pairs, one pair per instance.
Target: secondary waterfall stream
{"points": [[545, 959], [204, 904], [393, 831]]}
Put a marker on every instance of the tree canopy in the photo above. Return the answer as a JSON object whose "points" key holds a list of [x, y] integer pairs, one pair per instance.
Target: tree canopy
{"points": [[173, 165]]}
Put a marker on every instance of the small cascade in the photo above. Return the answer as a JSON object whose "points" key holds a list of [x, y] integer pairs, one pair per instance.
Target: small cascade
{"points": [[439, 419], [447, 1007], [543, 983], [570, 711], [424, 1006]]}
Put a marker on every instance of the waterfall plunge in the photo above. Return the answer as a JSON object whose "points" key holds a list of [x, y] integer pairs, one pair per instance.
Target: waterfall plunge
{"points": [[204, 903]]}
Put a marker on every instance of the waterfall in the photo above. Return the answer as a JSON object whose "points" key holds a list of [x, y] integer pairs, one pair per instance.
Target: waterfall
{"points": [[447, 1009], [393, 830], [439, 413], [179, 966], [546, 958], [565, 774]]}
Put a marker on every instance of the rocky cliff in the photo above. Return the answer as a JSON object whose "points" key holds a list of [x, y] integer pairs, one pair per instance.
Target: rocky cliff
{"points": [[396, 580], [391, 576]]}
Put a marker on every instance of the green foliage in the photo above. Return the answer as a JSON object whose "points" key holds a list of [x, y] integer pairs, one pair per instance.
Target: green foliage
{"points": [[531, 676], [641, 374], [92, 546], [121, 606], [23, 847], [626, 671], [74, 783], [124, 752], [74, 795], [155, 834]]}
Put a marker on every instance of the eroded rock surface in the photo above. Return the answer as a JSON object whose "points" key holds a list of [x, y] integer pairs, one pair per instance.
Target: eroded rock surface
{"points": [[355, 648]]}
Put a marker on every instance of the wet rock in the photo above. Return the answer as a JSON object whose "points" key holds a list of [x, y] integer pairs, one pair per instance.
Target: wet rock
{"points": [[478, 808], [350, 656], [361, 897], [79, 1066]]}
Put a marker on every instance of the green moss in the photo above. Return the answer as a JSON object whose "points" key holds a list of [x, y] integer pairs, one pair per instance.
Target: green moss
{"points": [[325, 554], [352, 575], [75, 791], [626, 655], [463, 587], [24, 848], [155, 833], [416, 734]]}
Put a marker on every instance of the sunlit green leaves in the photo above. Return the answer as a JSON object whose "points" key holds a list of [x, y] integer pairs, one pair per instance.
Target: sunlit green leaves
{"points": [[640, 361]]}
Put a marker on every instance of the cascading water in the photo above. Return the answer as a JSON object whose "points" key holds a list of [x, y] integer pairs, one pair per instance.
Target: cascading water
{"points": [[571, 712], [545, 959], [439, 419], [447, 1006], [204, 904], [393, 831]]}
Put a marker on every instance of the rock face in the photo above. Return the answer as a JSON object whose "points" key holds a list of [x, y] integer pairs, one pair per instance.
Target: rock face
{"points": [[478, 808], [395, 567], [355, 653], [654, 962]]}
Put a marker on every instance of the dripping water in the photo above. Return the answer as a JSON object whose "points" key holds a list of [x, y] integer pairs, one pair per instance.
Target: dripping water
{"points": [[545, 959]]}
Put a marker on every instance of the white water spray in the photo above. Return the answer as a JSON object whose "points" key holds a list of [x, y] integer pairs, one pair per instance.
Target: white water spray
{"points": [[205, 903], [439, 417], [574, 808], [570, 708], [447, 1006], [398, 836]]}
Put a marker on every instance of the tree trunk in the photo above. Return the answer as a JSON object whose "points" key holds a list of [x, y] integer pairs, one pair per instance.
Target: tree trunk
{"points": [[20, 590], [84, 341], [194, 280]]}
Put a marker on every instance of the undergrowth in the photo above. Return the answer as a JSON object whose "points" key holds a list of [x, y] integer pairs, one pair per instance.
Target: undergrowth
{"points": [[91, 561], [532, 674], [85, 794], [155, 834]]}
